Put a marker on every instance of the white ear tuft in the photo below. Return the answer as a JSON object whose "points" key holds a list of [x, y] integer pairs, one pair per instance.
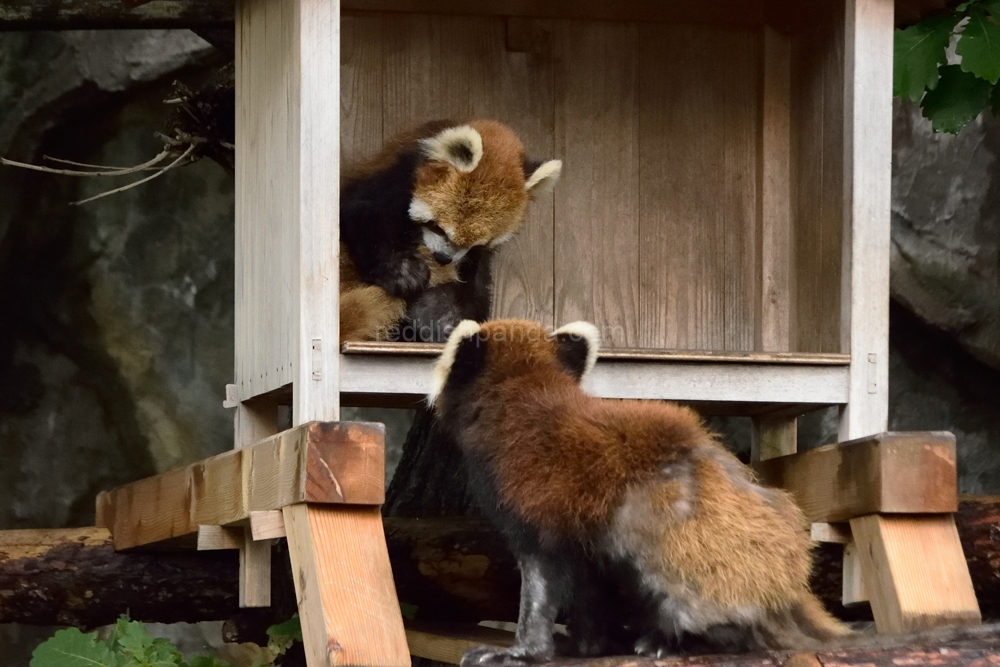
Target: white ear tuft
{"points": [[465, 329], [420, 211], [461, 147], [544, 178], [587, 332]]}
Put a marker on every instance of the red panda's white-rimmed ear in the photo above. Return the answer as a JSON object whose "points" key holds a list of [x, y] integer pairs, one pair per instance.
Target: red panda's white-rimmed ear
{"points": [[576, 347], [465, 330], [461, 147], [543, 178]]}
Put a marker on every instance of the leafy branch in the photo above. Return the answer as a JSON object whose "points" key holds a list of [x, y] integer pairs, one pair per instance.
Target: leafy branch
{"points": [[951, 95], [129, 644]]}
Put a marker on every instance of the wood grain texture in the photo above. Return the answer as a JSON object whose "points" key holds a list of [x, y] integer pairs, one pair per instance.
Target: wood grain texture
{"points": [[816, 180], [340, 462], [266, 525], [255, 572], [344, 587], [698, 182], [803, 386], [854, 588], [774, 197], [597, 198], [914, 572], [867, 194], [889, 473], [287, 80], [622, 354], [771, 437], [219, 538]]}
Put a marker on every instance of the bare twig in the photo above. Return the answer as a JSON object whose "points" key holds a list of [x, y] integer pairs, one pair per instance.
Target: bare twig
{"points": [[170, 166], [74, 172], [107, 167]]}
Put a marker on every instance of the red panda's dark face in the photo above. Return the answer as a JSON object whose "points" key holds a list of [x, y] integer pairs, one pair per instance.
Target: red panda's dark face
{"points": [[472, 189]]}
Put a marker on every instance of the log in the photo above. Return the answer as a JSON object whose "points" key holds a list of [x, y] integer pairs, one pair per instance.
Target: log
{"points": [[454, 570]]}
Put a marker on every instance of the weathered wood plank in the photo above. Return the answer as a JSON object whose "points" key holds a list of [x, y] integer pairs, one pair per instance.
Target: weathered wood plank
{"points": [[914, 572], [448, 643], [320, 462], [886, 473], [347, 601]]}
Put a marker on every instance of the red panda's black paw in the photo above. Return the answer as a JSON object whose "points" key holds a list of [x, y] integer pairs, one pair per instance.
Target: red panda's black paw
{"points": [[654, 645], [411, 276], [515, 656]]}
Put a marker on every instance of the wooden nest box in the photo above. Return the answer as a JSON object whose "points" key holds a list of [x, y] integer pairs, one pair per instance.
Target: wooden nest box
{"points": [[723, 218]]}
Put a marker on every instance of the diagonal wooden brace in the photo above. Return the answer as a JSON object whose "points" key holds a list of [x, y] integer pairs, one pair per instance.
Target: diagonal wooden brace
{"points": [[898, 491]]}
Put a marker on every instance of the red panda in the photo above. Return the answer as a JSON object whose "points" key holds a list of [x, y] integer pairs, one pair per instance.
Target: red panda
{"points": [[418, 223], [615, 507]]}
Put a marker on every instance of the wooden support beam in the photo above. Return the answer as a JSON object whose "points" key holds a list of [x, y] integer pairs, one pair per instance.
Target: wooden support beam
{"points": [[319, 462], [854, 590], [255, 571], [344, 586], [888, 473], [772, 437], [269, 525], [914, 572], [219, 538]]}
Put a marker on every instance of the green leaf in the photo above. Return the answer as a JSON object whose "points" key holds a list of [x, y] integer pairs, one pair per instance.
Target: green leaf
{"points": [[208, 661], [957, 100], [72, 648], [993, 7], [979, 46], [918, 51], [995, 101], [282, 635]]}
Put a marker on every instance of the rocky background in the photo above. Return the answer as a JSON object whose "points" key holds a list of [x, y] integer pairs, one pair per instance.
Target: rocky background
{"points": [[116, 317]]}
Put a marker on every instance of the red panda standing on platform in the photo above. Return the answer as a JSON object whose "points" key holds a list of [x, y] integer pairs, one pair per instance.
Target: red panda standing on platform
{"points": [[419, 222], [627, 516]]}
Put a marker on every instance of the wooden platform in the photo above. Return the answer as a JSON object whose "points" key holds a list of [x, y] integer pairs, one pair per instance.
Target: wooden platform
{"points": [[741, 383]]}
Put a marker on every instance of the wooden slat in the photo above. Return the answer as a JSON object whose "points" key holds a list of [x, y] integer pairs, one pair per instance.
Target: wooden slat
{"points": [[915, 575], [817, 168], [888, 473], [255, 572], [622, 354], [774, 198], [771, 437], [867, 191], [343, 583], [448, 643], [853, 587], [266, 525], [362, 54], [220, 538], [698, 133], [317, 462], [597, 198], [805, 386]]}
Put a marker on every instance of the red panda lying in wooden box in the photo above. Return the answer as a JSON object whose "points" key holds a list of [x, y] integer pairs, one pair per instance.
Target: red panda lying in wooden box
{"points": [[419, 222], [628, 516]]}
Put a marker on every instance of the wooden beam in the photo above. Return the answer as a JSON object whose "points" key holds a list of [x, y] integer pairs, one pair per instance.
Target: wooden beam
{"points": [[771, 437], [347, 601], [319, 462], [268, 525], [219, 538], [720, 382], [914, 572], [890, 472], [104, 14]]}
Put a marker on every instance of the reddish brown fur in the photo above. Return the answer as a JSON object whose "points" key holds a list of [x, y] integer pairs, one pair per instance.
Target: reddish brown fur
{"points": [[646, 481], [485, 204]]}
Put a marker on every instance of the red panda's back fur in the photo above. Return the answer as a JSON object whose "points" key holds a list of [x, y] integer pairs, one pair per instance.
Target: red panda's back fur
{"points": [[650, 479]]}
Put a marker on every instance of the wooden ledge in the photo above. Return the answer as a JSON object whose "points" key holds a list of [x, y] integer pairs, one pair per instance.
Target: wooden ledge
{"points": [[622, 354], [318, 462], [888, 473]]}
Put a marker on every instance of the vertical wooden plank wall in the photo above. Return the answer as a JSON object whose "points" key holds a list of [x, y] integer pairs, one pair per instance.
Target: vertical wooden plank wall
{"points": [[287, 173], [672, 225], [597, 199], [817, 172], [867, 192]]}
